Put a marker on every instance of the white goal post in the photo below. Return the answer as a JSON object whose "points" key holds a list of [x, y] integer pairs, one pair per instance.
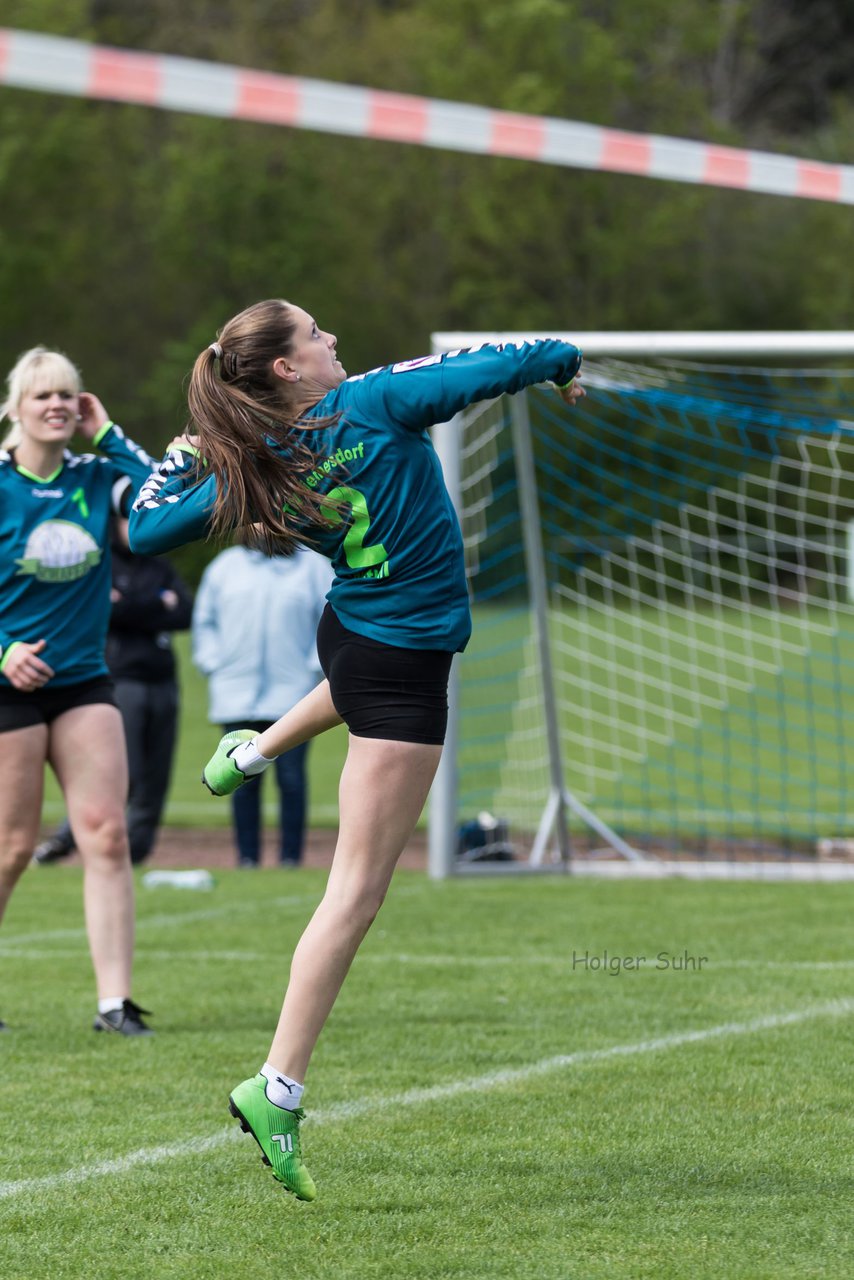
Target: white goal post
{"points": [[660, 583]]}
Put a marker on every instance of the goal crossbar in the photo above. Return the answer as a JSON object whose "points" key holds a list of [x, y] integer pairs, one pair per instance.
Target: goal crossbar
{"points": [[770, 344]]}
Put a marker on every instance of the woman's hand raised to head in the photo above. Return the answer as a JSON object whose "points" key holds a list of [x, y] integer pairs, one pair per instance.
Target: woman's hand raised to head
{"points": [[92, 415]]}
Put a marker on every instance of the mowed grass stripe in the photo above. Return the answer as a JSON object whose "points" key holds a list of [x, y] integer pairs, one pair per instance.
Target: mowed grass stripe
{"points": [[345, 1111]]}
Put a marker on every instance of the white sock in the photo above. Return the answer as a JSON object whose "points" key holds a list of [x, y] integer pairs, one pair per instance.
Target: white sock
{"points": [[110, 1003], [280, 1089], [248, 758]]}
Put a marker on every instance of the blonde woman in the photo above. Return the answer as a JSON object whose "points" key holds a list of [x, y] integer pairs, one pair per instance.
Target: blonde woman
{"points": [[56, 697]]}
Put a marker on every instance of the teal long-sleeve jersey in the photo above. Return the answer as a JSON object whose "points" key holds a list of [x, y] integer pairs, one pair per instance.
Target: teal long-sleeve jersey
{"points": [[392, 534], [55, 557]]}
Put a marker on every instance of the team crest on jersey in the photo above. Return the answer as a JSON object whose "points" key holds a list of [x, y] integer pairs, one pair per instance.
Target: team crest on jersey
{"points": [[59, 551]]}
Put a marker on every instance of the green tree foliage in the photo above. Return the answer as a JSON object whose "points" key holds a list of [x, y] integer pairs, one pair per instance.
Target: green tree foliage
{"points": [[129, 234]]}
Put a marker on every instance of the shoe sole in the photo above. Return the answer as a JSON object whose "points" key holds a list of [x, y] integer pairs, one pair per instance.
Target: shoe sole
{"points": [[265, 1159], [247, 1128], [127, 1035]]}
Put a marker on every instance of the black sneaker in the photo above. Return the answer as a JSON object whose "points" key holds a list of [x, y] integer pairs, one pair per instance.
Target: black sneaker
{"points": [[3, 1026], [51, 850], [127, 1021]]}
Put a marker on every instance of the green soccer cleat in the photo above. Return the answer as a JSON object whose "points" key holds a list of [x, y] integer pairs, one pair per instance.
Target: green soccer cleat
{"points": [[221, 775], [277, 1133]]}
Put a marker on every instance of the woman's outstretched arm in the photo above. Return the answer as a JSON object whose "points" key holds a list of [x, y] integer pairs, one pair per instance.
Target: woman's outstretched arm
{"points": [[174, 506]]}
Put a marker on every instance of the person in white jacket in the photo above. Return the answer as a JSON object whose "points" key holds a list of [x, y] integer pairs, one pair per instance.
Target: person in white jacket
{"points": [[254, 627]]}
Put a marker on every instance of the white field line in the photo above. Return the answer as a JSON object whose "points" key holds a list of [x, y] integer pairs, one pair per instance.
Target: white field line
{"points": [[773, 872], [710, 964], [344, 1111], [141, 954], [12, 941]]}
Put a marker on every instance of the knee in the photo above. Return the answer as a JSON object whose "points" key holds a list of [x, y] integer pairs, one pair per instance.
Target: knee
{"points": [[369, 907], [361, 906], [15, 854], [103, 835]]}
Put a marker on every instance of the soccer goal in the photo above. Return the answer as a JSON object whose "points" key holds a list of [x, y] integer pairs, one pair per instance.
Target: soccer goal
{"points": [[662, 582]]}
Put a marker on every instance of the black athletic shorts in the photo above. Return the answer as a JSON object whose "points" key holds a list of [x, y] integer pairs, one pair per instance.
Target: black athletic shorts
{"points": [[381, 691], [19, 710]]}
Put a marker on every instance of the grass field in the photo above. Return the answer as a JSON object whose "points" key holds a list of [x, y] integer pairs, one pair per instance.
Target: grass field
{"points": [[483, 1103]]}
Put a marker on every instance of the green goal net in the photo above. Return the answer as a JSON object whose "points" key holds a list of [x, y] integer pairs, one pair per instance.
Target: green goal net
{"points": [[692, 520]]}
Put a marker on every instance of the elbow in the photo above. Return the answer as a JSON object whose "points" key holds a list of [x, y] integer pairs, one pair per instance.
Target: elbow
{"points": [[137, 543], [141, 540]]}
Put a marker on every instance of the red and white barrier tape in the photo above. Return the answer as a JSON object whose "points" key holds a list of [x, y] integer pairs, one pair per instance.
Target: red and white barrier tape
{"points": [[54, 64]]}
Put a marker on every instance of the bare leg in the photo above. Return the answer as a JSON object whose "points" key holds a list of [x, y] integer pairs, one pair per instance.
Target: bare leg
{"points": [[312, 715], [87, 751], [383, 789], [22, 759]]}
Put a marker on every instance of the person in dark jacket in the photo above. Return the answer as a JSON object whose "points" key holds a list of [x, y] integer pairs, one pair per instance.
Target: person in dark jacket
{"points": [[149, 602]]}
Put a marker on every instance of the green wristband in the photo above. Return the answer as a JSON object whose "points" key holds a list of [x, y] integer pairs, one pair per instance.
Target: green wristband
{"points": [[98, 437], [6, 652]]}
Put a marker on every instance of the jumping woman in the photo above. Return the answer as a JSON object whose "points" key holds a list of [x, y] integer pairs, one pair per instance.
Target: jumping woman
{"points": [[282, 437]]}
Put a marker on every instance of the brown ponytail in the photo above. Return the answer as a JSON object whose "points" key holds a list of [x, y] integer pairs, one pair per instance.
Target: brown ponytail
{"points": [[240, 413]]}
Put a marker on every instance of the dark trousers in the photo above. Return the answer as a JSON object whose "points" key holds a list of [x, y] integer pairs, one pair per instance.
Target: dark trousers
{"points": [[150, 718], [150, 715], [290, 770]]}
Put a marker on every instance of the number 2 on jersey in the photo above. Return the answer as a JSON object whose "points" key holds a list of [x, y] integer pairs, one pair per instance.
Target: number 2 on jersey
{"points": [[358, 555]]}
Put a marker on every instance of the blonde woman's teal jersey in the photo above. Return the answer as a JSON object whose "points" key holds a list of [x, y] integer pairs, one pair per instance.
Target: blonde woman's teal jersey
{"points": [[55, 557], [392, 535]]}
